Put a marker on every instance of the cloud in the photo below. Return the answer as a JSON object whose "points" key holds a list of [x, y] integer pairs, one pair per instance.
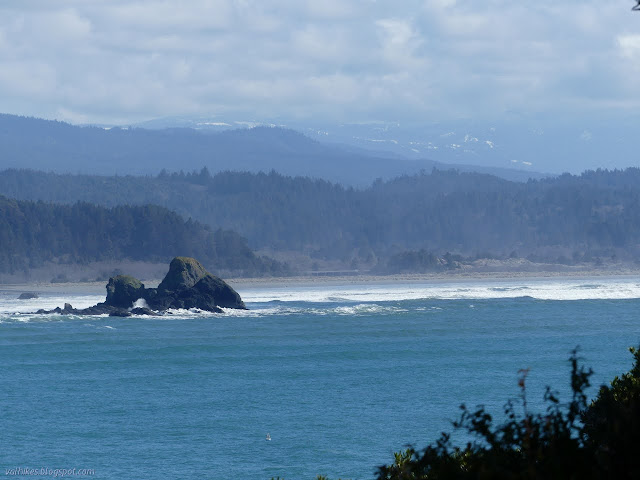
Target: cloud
{"points": [[330, 9], [629, 45], [173, 16], [31, 79], [347, 60], [399, 41]]}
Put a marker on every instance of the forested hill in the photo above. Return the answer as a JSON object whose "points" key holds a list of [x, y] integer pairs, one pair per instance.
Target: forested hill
{"points": [[32, 233], [595, 213]]}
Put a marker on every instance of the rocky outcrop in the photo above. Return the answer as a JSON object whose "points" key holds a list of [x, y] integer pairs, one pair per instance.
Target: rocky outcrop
{"points": [[123, 291], [27, 296], [184, 272], [68, 309], [225, 296], [186, 285], [189, 285]]}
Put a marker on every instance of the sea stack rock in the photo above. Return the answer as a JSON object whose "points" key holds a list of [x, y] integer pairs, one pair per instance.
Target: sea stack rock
{"points": [[189, 285], [123, 291], [184, 272]]}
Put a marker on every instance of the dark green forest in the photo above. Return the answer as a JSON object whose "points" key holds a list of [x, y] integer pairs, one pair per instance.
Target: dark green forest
{"points": [[32, 233], [564, 219]]}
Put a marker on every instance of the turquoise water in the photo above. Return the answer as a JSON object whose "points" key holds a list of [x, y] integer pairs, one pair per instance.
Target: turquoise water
{"points": [[339, 376]]}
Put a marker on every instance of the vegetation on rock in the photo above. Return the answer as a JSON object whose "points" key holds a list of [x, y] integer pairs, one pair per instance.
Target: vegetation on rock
{"points": [[123, 290], [184, 272]]}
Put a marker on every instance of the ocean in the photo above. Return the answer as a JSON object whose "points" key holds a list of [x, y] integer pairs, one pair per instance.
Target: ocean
{"points": [[339, 376]]}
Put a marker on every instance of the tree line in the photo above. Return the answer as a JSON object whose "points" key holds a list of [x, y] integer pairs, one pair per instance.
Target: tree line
{"points": [[32, 233], [567, 218]]}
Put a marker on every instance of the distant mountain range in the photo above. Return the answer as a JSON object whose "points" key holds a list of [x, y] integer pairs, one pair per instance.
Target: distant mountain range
{"points": [[530, 143], [64, 148]]}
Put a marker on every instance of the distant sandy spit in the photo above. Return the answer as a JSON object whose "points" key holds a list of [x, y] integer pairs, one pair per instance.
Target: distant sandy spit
{"points": [[320, 280], [69, 288], [463, 275], [81, 288]]}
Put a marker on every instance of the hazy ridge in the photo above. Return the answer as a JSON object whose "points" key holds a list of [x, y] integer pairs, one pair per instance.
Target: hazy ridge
{"points": [[64, 148]]}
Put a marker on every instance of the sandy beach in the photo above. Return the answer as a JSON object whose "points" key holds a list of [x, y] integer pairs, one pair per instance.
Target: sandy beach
{"points": [[440, 277], [486, 272]]}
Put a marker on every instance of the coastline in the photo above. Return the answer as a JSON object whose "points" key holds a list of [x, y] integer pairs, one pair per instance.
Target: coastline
{"points": [[439, 277], [545, 285], [457, 276]]}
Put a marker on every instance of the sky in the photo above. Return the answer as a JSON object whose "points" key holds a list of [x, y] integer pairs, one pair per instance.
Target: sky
{"points": [[121, 62]]}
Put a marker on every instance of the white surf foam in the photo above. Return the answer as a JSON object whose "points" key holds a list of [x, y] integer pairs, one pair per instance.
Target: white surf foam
{"points": [[140, 303], [368, 309], [353, 299], [551, 289], [9, 304]]}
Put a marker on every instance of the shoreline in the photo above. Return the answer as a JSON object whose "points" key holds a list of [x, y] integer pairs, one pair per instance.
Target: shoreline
{"points": [[440, 277], [98, 287]]}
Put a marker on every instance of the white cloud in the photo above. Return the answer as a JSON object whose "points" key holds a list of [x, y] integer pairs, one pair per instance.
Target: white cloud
{"points": [[399, 42], [70, 116], [330, 9], [34, 79], [440, 4], [322, 45], [348, 59], [170, 15], [629, 45]]}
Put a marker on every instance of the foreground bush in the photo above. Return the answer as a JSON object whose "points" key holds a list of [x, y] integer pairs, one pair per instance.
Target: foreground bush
{"points": [[568, 441]]}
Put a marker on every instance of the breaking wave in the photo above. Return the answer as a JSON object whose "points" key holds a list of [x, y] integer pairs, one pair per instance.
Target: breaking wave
{"points": [[348, 300], [537, 289]]}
